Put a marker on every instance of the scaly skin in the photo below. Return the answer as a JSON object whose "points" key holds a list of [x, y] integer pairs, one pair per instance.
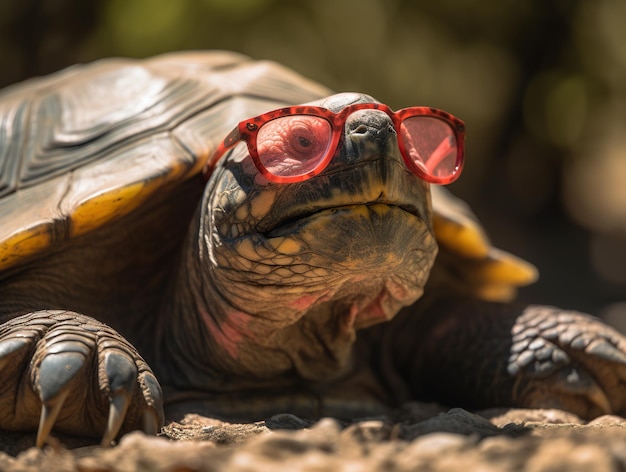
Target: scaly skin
{"points": [[278, 279], [274, 282], [281, 276]]}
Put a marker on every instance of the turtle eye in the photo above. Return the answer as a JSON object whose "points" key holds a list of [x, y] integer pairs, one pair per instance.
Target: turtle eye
{"points": [[431, 146], [295, 145]]}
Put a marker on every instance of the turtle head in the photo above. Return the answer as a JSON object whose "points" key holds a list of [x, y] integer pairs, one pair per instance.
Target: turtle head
{"points": [[312, 261]]}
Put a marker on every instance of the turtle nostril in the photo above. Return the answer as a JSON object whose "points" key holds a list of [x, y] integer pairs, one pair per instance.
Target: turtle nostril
{"points": [[364, 129]]}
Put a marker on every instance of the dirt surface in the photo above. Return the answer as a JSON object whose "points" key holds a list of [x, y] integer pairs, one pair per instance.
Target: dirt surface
{"points": [[494, 440]]}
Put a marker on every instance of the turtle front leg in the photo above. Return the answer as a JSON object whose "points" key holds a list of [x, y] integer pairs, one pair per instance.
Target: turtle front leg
{"points": [[477, 354], [67, 371]]}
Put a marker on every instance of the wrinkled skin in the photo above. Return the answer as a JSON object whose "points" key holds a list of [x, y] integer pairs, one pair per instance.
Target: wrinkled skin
{"points": [[312, 298], [292, 271]]}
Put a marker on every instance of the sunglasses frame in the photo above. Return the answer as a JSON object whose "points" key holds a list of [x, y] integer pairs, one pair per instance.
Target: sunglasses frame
{"points": [[247, 131]]}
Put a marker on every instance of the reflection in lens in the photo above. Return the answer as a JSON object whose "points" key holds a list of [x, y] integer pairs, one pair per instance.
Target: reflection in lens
{"points": [[293, 145], [431, 145]]}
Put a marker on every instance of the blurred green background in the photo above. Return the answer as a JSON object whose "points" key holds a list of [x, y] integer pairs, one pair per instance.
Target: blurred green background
{"points": [[540, 84]]}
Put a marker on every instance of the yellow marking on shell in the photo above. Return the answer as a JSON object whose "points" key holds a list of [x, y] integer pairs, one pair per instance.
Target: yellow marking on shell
{"points": [[497, 293], [125, 181], [465, 239], [505, 268], [107, 206], [23, 244]]}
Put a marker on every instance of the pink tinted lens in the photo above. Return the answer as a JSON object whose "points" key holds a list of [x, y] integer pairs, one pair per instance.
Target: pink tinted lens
{"points": [[294, 145], [431, 144]]}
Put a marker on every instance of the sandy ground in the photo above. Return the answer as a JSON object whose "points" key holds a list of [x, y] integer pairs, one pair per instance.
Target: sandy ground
{"points": [[524, 440]]}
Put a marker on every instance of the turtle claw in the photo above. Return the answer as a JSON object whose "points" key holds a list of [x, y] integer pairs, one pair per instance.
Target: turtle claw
{"points": [[151, 422], [83, 379], [153, 395], [578, 382], [568, 360], [49, 414], [603, 349], [121, 374], [54, 383], [117, 413]]}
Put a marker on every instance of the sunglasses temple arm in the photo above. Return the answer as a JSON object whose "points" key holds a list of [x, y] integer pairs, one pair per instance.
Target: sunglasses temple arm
{"points": [[438, 154], [233, 138]]}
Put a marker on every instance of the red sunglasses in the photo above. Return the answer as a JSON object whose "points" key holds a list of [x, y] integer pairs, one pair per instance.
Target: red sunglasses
{"points": [[295, 143]]}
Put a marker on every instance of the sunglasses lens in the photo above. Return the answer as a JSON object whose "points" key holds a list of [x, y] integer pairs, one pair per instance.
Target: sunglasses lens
{"points": [[431, 144], [293, 146]]}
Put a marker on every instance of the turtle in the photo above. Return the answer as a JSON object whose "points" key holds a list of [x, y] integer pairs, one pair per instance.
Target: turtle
{"points": [[204, 232]]}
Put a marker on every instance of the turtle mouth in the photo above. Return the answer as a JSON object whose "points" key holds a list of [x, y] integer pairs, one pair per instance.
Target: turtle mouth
{"points": [[299, 218]]}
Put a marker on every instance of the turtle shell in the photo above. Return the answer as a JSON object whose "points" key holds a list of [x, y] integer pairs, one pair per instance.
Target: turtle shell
{"points": [[87, 145], [467, 257]]}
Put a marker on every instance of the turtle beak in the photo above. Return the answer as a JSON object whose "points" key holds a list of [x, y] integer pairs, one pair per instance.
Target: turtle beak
{"points": [[369, 135]]}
